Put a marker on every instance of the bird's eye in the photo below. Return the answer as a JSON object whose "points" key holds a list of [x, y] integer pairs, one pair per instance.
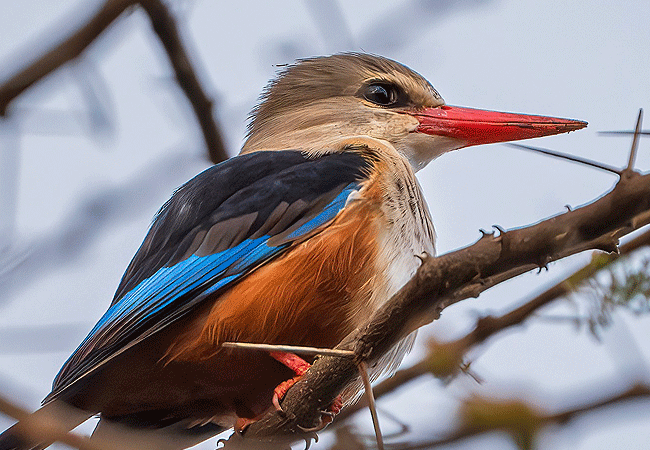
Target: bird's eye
{"points": [[382, 94]]}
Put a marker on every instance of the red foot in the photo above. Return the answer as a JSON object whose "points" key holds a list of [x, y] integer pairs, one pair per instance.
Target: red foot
{"points": [[281, 389], [300, 366], [293, 362]]}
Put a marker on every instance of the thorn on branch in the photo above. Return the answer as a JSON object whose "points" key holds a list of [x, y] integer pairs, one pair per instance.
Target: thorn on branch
{"points": [[608, 247], [577, 159], [475, 290], [478, 278], [543, 263], [635, 142], [466, 369], [501, 230], [504, 237], [485, 234]]}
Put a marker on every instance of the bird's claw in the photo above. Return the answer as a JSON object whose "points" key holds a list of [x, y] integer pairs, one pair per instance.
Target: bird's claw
{"points": [[322, 423], [280, 391]]}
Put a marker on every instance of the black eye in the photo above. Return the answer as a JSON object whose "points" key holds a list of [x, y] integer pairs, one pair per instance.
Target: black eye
{"points": [[382, 94]]}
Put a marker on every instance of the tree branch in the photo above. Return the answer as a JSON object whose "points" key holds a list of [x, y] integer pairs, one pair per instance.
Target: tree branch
{"points": [[450, 278], [40, 430], [165, 28], [521, 420], [445, 358], [62, 53]]}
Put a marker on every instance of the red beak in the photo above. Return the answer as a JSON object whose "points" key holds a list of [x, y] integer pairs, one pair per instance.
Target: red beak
{"points": [[477, 126]]}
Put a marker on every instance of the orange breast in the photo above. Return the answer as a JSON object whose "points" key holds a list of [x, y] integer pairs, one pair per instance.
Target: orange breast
{"points": [[309, 296]]}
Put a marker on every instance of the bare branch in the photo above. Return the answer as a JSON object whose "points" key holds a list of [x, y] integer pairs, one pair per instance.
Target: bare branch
{"points": [[521, 420], [488, 326], [44, 430], [62, 53], [444, 358], [165, 28], [452, 277]]}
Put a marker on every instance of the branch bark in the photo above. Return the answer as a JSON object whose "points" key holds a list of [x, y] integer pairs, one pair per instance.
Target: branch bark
{"points": [[450, 278], [445, 358], [165, 28]]}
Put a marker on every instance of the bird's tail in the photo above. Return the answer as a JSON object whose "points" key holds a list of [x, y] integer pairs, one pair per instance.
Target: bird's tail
{"points": [[56, 412]]}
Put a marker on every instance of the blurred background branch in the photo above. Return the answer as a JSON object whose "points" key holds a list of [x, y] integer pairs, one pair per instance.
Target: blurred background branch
{"points": [[165, 28]]}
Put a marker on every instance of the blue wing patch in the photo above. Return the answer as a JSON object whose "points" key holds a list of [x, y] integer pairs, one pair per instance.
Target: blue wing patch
{"points": [[174, 271]]}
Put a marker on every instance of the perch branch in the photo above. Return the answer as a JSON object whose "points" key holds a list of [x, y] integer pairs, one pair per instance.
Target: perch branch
{"points": [[445, 358], [445, 280]]}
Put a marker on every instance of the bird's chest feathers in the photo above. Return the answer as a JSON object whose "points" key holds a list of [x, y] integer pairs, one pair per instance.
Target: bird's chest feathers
{"points": [[405, 229]]}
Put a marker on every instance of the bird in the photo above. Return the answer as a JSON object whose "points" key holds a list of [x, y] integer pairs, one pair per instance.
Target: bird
{"points": [[297, 240]]}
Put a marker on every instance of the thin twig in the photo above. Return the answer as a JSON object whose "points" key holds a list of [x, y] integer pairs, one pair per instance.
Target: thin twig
{"points": [[363, 371], [626, 132], [577, 159], [290, 349], [635, 141]]}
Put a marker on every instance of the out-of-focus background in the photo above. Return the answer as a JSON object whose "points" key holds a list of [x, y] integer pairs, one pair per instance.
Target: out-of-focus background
{"points": [[89, 154]]}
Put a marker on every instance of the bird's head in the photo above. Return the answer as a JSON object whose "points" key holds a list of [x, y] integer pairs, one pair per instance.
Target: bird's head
{"points": [[319, 101]]}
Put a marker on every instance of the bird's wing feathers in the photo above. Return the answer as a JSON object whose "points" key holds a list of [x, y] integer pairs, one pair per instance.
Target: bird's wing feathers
{"points": [[215, 229]]}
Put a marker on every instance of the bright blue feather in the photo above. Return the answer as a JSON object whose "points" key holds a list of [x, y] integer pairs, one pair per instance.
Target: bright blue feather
{"points": [[163, 284], [205, 274]]}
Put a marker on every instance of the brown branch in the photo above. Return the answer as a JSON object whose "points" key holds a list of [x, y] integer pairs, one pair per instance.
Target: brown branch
{"points": [[452, 277], [521, 420], [62, 53], [39, 430], [166, 30], [165, 27], [489, 325], [444, 358]]}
